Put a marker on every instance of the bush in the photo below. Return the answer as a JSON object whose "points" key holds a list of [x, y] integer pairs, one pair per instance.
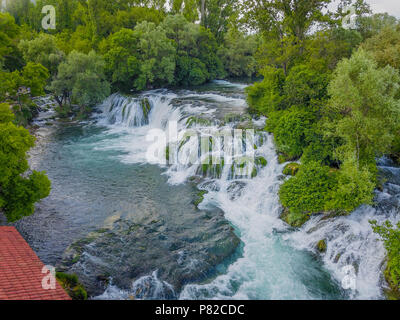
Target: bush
{"points": [[309, 191], [18, 191], [304, 85], [355, 187], [266, 96], [71, 284], [292, 130]]}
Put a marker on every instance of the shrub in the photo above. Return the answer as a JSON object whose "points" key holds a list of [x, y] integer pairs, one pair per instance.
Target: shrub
{"points": [[71, 284], [308, 192], [292, 130]]}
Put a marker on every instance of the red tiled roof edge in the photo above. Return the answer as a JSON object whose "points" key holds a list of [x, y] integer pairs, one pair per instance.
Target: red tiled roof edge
{"points": [[21, 270]]}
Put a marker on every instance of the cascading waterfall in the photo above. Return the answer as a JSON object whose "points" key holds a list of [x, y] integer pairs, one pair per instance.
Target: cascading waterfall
{"points": [[275, 262]]}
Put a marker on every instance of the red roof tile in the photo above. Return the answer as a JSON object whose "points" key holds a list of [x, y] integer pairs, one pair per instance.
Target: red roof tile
{"points": [[21, 271]]}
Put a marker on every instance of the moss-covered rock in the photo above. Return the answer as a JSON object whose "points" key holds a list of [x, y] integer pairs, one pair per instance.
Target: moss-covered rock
{"points": [[261, 161], [199, 197], [295, 220], [193, 121], [282, 159], [254, 172], [208, 169], [291, 169], [393, 292], [321, 246], [71, 284], [167, 153], [146, 107]]}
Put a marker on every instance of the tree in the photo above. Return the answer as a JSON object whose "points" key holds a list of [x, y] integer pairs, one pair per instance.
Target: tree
{"points": [[19, 9], [364, 108], [156, 56], [196, 51], [18, 191], [80, 79], [309, 191], [238, 54], [122, 60], [385, 47], [188, 8], [43, 50], [35, 76], [217, 16], [292, 130], [8, 33], [369, 26]]}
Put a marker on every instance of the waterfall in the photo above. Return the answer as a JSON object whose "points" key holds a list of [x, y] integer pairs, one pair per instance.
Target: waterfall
{"points": [[276, 262]]}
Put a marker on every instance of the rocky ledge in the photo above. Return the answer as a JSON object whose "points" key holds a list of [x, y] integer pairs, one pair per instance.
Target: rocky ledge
{"points": [[179, 251]]}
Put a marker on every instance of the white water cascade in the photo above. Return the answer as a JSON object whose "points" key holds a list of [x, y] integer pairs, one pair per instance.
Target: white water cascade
{"points": [[276, 262]]}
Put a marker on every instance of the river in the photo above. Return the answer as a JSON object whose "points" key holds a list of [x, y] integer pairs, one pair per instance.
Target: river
{"points": [[132, 228]]}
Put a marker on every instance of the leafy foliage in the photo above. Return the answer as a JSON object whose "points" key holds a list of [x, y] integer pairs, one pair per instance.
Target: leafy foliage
{"points": [[308, 192], [81, 79], [391, 238], [43, 50], [18, 193]]}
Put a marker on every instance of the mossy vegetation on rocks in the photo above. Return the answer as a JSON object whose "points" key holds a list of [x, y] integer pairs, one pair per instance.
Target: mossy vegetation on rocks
{"points": [[321, 246], [283, 158], [197, 121], [291, 169], [71, 284], [146, 107], [296, 220], [261, 161], [391, 238], [199, 197]]}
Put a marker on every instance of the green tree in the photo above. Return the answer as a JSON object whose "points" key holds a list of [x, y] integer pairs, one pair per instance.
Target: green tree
{"points": [[218, 15], [238, 54], [8, 34], [369, 26], [309, 191], [156, 56], [43, 50], [385, 47], [18, 191], [196, 51], [292, 131], [122, 60], [35, 76], [364, 108], [80, 79]]}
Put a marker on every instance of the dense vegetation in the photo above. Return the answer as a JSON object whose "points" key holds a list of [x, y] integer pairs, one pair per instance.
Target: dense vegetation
{"points": [[18, 192], [391, 238]]}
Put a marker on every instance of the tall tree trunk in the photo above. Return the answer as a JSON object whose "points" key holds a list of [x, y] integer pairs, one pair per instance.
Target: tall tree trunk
{"points": [[203, 9]]}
